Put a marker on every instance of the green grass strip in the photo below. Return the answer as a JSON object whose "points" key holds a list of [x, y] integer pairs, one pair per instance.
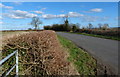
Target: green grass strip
{"points": [[84, 63]]}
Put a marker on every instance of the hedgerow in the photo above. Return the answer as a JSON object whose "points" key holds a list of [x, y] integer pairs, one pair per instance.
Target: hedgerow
{"points": [[39, 54]]}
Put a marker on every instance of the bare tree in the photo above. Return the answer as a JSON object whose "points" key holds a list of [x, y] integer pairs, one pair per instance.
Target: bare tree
{"points": [[36, 22], [105, 26], [100, 25], [90, 26]]}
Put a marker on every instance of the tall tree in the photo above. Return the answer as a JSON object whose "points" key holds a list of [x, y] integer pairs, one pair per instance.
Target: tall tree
{"points": [[66, 23], [90, 26], [74, 28], [36, 22]]}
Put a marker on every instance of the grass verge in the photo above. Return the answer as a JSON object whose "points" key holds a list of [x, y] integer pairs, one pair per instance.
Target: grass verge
{"points": [[84, 63], [100, 36]]}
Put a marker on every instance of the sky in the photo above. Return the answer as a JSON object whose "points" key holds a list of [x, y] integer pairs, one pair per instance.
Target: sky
{"points": [[18, 15], [60, 0]]}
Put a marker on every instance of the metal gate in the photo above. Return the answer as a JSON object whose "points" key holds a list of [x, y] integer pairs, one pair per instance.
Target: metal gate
{"points": [[8, 57]]}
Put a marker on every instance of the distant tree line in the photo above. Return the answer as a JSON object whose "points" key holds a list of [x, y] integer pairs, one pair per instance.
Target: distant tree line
{"points": [[62, 27], [102, 29], [108, 32]]}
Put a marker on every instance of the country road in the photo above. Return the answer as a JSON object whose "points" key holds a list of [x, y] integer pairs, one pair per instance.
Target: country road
{"points": [[104, 50]]}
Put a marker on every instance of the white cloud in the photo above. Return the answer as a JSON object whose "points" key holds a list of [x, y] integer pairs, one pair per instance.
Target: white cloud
{"points": [[61, 15], [1, 17], [38, 12], [13, 16], [96, 10], [1, 22], [30, 15], [18, 14], [17, 3], [70, 14], [1, 5], [48, 16], [74, 14], [7, 7]]}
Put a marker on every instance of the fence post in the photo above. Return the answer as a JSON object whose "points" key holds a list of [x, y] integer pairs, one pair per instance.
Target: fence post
{"points": [[17, 63]]}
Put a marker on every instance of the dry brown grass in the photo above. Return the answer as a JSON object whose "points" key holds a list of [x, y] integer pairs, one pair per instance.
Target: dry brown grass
{"points": [[8, 34], [40, 53]]}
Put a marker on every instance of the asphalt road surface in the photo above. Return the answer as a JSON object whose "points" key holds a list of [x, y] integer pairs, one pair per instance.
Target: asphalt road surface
{"points": [[102, 49]]}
